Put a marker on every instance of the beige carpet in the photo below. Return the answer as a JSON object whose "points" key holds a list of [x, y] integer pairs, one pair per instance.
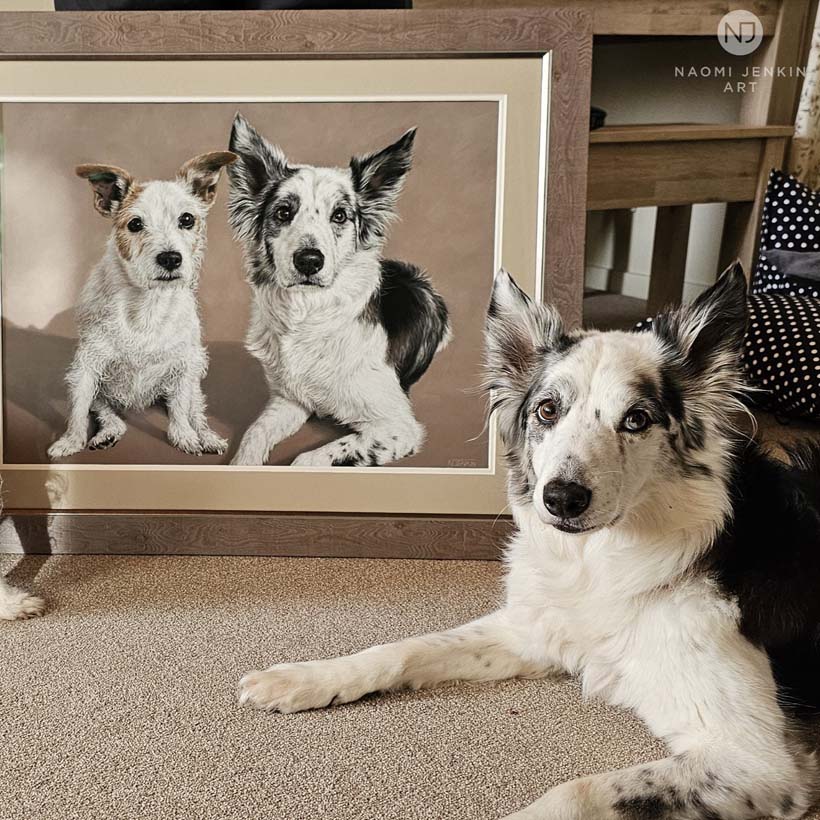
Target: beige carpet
{"points": [[120, 702]]}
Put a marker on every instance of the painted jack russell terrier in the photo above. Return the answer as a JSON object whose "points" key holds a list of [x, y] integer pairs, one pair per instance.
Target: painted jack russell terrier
{"points": [[339, 331], [140, 339]]}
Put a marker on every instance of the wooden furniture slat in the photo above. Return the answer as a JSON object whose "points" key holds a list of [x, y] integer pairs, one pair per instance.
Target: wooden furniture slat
{"points": [[668, 257], [741, 228], [641, 17], [150, 533], [630, 175], [775, 98], [286, 34], [686, 132]]}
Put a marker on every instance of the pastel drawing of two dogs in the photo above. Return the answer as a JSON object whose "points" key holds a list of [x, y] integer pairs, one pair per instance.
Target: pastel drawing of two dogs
{"points": [[340, 332]]}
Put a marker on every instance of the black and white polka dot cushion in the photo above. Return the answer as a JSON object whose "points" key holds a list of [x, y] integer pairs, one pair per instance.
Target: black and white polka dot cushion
{"points": [[781, 353], [791, 222]]}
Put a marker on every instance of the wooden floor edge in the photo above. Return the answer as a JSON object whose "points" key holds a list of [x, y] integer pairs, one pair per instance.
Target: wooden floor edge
{"points": [[268, 534]]}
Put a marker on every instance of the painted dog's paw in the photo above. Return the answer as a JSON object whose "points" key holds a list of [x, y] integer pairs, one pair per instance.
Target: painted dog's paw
{"points": [[66, 446], [313, 458], [211, 442], [16, 605], [185, 439], [289, 687], [104, 440], [246, 458]]}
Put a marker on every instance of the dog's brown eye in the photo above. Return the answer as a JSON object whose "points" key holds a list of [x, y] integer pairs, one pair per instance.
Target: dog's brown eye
{"points": [[547, 411], [283, 213], [186, 221], [135, 225], [636, 420], [339, 216]]}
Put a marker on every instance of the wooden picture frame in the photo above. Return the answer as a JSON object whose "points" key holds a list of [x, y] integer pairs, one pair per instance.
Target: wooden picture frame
{"points": [[33, 44]]}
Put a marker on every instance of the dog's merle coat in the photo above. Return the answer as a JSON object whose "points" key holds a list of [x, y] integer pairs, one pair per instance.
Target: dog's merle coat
{"points": [[669, 564], [339, 331]]}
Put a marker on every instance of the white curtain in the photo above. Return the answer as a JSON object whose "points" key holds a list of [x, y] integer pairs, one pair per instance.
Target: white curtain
{"points": [[805, 151]]}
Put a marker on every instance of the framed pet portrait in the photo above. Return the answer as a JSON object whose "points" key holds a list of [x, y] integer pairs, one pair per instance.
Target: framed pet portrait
{"points": [[246, 258]]}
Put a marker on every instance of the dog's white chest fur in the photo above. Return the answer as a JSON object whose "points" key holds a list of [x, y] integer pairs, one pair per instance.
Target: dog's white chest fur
{"points": [[582, 606], [315, 352], [142, 340]]}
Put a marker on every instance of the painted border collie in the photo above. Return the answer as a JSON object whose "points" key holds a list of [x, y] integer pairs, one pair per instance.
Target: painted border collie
{"points": [[339, 331], [668, 563]]}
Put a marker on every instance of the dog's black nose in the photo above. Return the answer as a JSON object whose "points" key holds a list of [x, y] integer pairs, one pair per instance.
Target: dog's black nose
{"points": [[566, 499], [308, 261], [170, 260]]}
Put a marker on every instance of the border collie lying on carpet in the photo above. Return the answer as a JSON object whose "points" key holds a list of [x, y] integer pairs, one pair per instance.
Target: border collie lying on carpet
{"points": [[660, 557]]}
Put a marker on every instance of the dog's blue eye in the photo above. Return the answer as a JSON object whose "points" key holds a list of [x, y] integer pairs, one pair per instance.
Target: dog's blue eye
{"points": [[339, 216], [135, 225], [283, 213], [186, 221], [636, 421]]}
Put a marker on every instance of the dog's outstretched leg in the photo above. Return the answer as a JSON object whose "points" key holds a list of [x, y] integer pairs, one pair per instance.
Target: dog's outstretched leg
{"points": [[82, 388], [710, 694], [111, 427], [280, 418], [374, 445], [15, 604], [478, 651]]}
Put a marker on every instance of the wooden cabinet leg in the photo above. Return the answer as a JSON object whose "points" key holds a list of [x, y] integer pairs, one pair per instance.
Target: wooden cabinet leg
{"points": [[669, 257]]}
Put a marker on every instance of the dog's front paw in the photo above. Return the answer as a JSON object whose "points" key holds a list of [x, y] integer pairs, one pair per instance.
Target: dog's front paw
{"points": [[245, 457], [16, 605], [103, 440], [289, 687], [313, 458], [211, 442], [185, 439], [66, 446]]}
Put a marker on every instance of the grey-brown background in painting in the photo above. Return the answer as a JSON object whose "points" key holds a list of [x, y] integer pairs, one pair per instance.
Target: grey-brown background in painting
{"points": [[52, 237]]}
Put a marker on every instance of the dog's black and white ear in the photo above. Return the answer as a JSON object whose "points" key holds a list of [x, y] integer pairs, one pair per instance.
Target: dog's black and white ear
{"points": [[708, 333], [259, 163], [378, 179], [519, 332], [109, 183], [201, 173]]}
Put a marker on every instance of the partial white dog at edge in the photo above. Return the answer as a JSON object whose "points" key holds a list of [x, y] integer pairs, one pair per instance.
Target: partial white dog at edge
{"points": [[140, 337], [659, 556], [17, 604], [339, 331]]}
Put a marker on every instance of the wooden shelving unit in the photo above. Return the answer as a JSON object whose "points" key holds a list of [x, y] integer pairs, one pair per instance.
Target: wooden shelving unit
{"points": [[675, 166]]}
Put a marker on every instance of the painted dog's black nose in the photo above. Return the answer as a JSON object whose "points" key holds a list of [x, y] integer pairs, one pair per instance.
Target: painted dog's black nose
{"points": [[308, 261], [566, 499], [170, 260]]}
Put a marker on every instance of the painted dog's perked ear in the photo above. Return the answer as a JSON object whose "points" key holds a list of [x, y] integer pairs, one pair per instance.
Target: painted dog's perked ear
{"points": [[708, 333], [378, 179], [259, 164], [109, 183], [201, 173]]}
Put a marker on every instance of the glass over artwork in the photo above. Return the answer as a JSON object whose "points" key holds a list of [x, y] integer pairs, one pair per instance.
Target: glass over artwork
{"points": [[248, 283]]}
